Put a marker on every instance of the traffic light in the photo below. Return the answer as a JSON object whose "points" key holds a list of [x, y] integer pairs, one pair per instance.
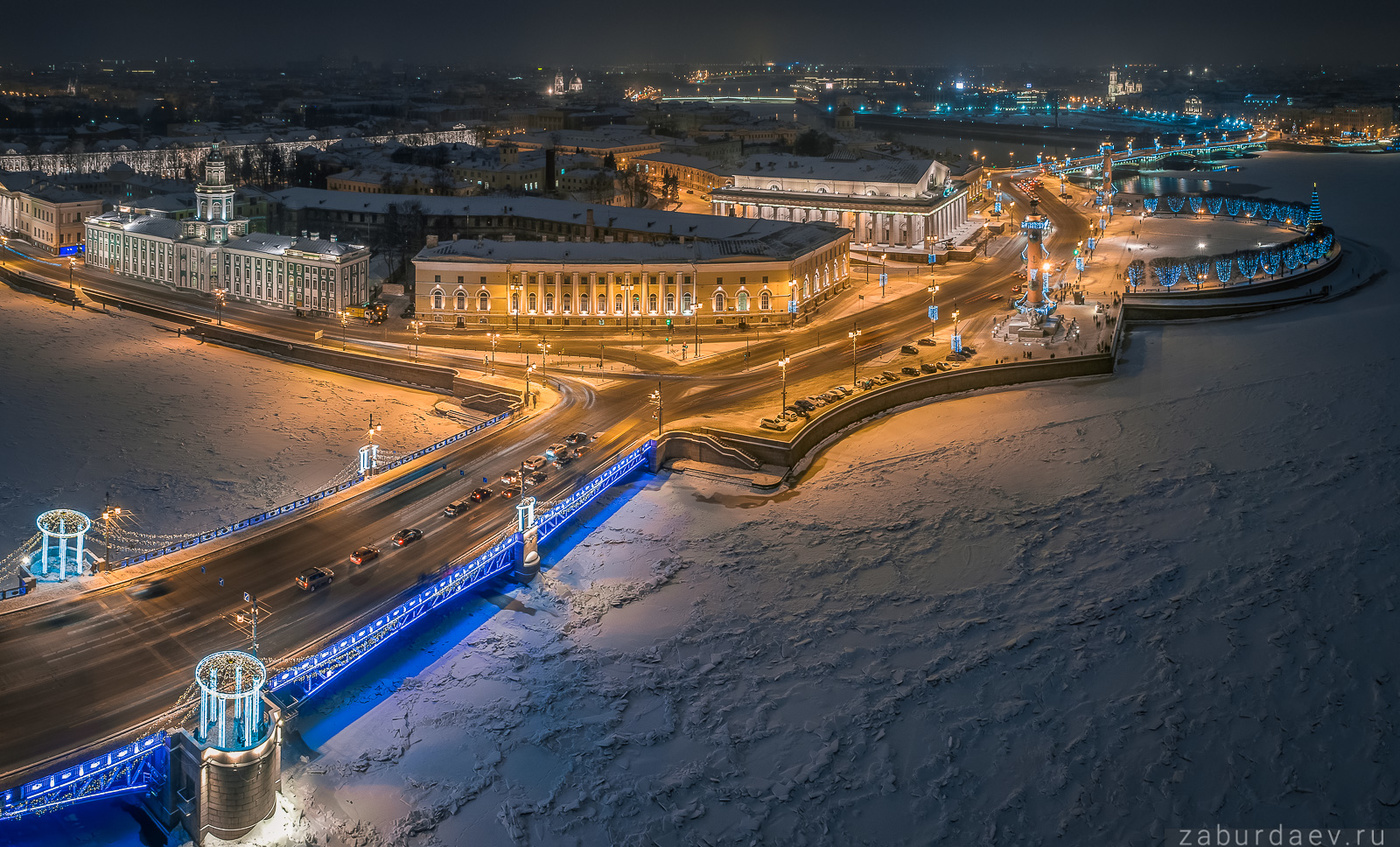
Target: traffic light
{"points": [[668, 323]]}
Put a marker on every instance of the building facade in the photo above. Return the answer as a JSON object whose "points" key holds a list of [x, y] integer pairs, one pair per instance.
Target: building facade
{"points": [[770, 274], [52, 217], [215, 251], [887, 204], [694, 174]]}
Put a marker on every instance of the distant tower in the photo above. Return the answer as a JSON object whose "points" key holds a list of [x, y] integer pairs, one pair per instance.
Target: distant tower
{"points": [[1314, 210], [576, 84], [558, 88], [1106, 184], [845, 118]]}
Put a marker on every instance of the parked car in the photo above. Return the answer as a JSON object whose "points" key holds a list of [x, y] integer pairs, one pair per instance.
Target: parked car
{"points": [[955, 357], [789, 416], [909, 350], [534, 463], [511, 477], [865, 384], [970, 351], [364, 554], [536, 478], [909, 371], [816, 400], [404, 537], [928, 368], [455, 508], [891, 376], [833, 396], [314, 578], [481, 494], [927, 342], [576, 439], [804, 404], [770, 423], [554, 451], [797, 410], [843, 390]]}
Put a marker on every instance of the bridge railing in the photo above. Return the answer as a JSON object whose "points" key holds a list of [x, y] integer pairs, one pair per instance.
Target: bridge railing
{"points": [[310, 675], [131, 769], [302, 502]]}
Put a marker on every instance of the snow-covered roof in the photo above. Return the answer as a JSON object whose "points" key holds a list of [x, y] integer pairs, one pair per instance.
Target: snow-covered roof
{"points": [[277, 245], [907, 171]]}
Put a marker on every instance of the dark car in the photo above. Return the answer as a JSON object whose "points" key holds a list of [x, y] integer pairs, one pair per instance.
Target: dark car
{"points": [[796, 410], [909, 371], [909, 350], [511, 477], [890, 375], [480, 494], [150, 588], [314, 578], [576, 439], [928, 368], [455, 508], [804, 404], [364, 554], [955, 357], [407, 536], [969, 351], [563, 460], [536, 478], [927, 342], [508, 492]]}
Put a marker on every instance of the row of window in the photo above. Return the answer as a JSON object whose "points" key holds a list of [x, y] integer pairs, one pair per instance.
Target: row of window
{"points": [[742, 302]]}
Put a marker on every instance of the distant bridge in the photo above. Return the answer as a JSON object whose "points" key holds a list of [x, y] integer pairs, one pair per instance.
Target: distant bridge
{"points": [[1151, 154]]}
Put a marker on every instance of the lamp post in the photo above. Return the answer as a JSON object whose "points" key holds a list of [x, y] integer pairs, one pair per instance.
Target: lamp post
{"points": [[955, 322], [884, 276], [108, 515], [782, 364], [344, 322], [529, 369], [696, 309], [219, 295], [655, 398], [70, 273], [932, 312], [544, 351], [417, 337], [495, 337], [853, 335]]}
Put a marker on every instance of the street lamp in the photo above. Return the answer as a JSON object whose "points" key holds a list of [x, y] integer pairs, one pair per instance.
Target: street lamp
{"points": [[417, 337], [696, 309], [495, 337], [853, 335], [783, 363], [108, 515], [219, 295], [344, 322], [70, 273], [544, 351], [932, 312], [526, 399], [884, 276], [955, 323]]}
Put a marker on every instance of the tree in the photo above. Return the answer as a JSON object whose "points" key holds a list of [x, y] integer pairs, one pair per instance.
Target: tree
{"points": [[813, 143]]}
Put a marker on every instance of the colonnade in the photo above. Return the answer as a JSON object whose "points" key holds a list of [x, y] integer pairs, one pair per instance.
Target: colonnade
{"points": [[912, 230]]}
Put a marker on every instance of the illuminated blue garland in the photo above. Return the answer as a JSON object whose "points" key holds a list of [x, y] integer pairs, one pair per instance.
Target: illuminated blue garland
{"points": [[1169, 274], [1213, 204], [1224, 269], [1232, 206], [1200, 270], [1135, 273], [1248, 263], [1150, 204], [1196, 204], [1176, 204], [1251, 208], [1268, 260]]}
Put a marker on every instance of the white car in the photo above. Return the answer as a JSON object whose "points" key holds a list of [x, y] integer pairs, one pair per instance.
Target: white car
{"points": [[554, 451], [534, 463]]}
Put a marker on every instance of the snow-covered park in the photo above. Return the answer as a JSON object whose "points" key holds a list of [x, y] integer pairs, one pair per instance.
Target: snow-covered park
{"points": [[1090, 612]]}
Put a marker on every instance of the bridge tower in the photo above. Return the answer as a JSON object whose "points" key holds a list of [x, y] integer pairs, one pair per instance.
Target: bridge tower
{"points": [[1106, 180], [529, 564], [225, 773]]}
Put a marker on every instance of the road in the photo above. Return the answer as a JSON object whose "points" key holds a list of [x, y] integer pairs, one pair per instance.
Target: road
{"points": [[75, 675]]}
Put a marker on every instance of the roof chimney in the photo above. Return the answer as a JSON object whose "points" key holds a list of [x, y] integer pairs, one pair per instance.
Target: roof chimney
{"points": [[432, 241]]}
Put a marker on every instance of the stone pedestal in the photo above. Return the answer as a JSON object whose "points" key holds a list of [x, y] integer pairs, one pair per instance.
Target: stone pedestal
{"points": [[224, 792]]}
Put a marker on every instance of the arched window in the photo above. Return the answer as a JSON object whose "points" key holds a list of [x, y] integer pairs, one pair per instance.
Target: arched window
{"points": [[534, 301], [602, 303], [617, 305], [437, 299], [806, 288], [765, 302], [670, 303], [461, 301], [685, 302], [651, 303], [483, 302], [568, 301], [549, 301], [637, 303], [514, 301], [719, 301], [742, 301]]}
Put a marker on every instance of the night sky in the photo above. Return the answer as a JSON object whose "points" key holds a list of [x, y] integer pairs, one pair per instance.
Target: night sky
{"points": [[552, 32]]}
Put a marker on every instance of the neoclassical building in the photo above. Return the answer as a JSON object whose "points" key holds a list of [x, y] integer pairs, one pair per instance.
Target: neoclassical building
{"points": [[760, 273], [896, 204], [215, 250]]}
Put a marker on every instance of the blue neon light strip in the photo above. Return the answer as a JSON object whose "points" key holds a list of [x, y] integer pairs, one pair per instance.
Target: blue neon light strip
{"points": [[75, 784]]}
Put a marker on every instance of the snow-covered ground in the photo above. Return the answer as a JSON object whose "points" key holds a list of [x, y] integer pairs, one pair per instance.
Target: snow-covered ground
{"points": [[185, 437], [1081, 613]]}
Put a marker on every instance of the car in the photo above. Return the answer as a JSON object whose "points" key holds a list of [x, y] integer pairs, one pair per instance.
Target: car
{"points": [[770, 423], [314, 578], [789, 416], [943, 366], [804, 404], [909, 371], [455, 508], [994, 297], [149, 588], [1016, 289], [797, 410], [534, 463], [536, 478], [927, 342], [364, 554], [909, 350], [891, 376], [865, 384], [563, 460], [842, 390], [816, 400], [928, 368], [955, 357], [576, 439], [833, 396], [553, 451], [481, 494], [969, 351], [511, 477], [509, 492], [404, 537]]}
